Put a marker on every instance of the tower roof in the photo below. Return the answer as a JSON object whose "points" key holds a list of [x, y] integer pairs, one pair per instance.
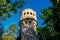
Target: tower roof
{"points": [[28, 13]]}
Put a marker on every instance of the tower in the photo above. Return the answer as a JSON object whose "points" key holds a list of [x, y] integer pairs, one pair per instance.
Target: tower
{"points": [[28, 23]]}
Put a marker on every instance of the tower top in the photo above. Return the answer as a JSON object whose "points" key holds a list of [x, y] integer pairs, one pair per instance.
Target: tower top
{"points": [[28, 13]]}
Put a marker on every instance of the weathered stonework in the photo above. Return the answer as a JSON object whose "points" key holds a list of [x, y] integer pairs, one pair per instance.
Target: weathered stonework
{"points": [[28, 23]]}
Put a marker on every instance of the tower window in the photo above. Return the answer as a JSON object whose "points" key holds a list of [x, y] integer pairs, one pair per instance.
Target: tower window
{"points": [[22, 23], [27, 12], [31, 13], [26, 22], [30, 22], [24, 13]]}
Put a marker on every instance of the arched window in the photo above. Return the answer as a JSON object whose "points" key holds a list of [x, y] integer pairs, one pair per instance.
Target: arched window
{"points": [[31, 13], [24, 13], [27, 12], [26, 22], [22, 23], [30, 22]]}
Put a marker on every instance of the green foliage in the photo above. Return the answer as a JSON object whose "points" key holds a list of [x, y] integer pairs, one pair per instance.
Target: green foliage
{"points": [[48, 15], [12, 29], [6, 7], [7, 37], [51, 16], [1, 32], [38, 31], [10, 33]]}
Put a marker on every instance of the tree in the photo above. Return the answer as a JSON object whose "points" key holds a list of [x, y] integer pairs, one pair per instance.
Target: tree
{"points": [[19, 36], [51, 16], [38, 33], [1, 32], [10, 33], [6, 7]]}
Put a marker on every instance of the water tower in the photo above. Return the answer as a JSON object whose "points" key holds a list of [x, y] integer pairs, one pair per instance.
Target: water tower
{"points": [[28, 23]]}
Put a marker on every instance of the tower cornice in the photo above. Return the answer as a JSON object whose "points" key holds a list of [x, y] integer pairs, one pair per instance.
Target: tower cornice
{"points": [[26, 19]]}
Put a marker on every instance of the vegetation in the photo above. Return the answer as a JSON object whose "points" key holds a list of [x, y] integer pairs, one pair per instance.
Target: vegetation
{"points": [[51, 16], [10, 33], [6, 7]]}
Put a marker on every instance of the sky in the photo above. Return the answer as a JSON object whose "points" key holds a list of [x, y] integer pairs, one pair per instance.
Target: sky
{"points": [[36, 5]]}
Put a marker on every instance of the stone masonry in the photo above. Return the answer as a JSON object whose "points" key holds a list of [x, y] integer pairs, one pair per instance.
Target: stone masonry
{"points": [[28, 23]]}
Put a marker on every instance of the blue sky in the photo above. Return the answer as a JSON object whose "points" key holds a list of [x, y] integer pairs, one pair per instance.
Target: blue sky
{"points": [[36, 5]]}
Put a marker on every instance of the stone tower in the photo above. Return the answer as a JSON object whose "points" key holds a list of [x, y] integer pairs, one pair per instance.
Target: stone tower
{"points": [[28, 23]]}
